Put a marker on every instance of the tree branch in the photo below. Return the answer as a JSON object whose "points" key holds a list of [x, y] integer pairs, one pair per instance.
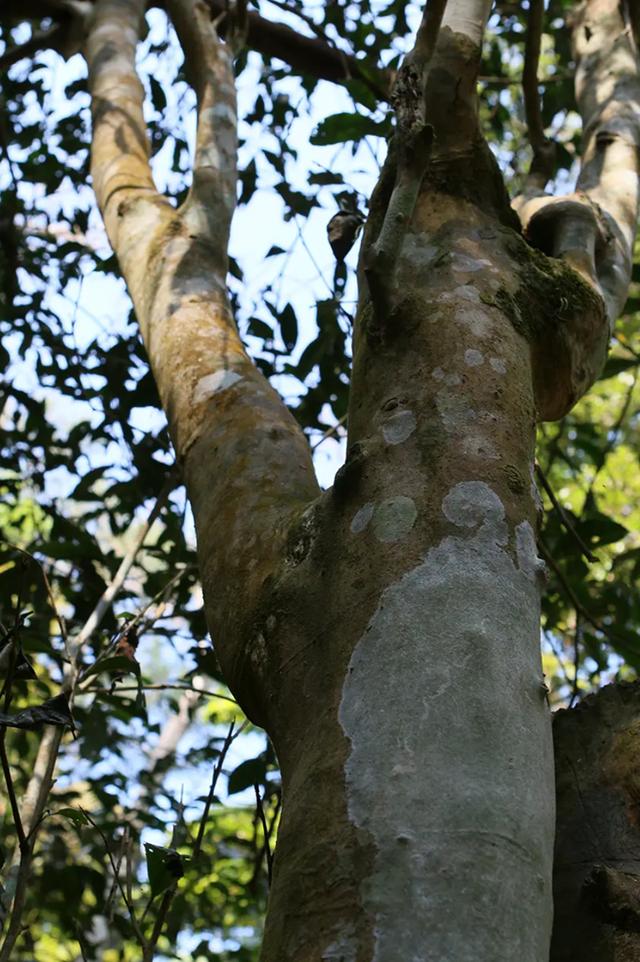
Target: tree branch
{"points": [[40, 782], [246, 461], [593, 229], [411, 152], [307, 55], [312, 56], [212, 198], [543, 162]]}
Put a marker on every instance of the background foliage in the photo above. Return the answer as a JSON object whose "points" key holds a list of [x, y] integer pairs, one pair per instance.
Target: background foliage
{"points": [[85, 453]]}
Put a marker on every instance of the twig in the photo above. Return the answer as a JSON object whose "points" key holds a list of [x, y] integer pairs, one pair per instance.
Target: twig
{"points": [[58, 616], [559, 655], [130, 909], [577, 641], [139, 618], [329, 432], [265, 830], [168, 896], [156, 932], [197, 845], [557, 77], [615, 430], [39, 784], [112, 589], [566, 520], [158, 687], [575, 601], [11, 792], [39, 40], [543, 162]]}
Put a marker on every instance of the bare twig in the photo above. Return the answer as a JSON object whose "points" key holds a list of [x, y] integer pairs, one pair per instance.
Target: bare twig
{"points": [[168, 896], [146, 623], [39, 40], [265, 830], [114, 586], [559, 655], [39, 785], [161, 686], [575, 601], [309, 55], [197, 845], [11, 792], [158, 925], [566, 520], [130, 908], [577, 641], [329, 432], [58, 616]]}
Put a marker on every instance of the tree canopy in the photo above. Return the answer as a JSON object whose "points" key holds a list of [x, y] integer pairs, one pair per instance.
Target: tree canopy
{"points": [[87, 468]]}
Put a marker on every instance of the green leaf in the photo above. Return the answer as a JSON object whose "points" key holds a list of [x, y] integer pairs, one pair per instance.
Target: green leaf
{"points": [[117, 663], [259, 329], [54, 711], [601, 530], [615, 365], [165, 866], [158, 98], [289, 326], [340, 128], [247, 774], [75, 816]]}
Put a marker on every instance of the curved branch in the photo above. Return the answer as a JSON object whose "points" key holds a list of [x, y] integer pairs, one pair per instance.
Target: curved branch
{"points": [[120, 150], [593, 230], [246, 462], [209, 67], [306, 55]]}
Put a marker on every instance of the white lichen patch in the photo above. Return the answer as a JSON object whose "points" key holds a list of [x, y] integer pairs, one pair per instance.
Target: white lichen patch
{"points": [[477, 446], [473, 358], [418, 252], [526, 548], [362, 517], [462, 293], [212, 384], [221, 111], [474, 320], [468, 265], [498, 365], [450, 771], [451, 379], [399, 427], [394, 518], [454, 410]]}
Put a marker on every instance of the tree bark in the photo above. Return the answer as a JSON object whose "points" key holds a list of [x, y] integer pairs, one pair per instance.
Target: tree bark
{"points": [[597, 858], [388, 631]]}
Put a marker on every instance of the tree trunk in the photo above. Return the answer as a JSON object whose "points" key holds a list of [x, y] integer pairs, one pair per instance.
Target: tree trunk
{"points": [[597, 860], [387, 635]]}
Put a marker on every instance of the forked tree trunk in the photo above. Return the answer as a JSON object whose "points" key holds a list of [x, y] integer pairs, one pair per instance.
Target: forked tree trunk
{"points": [[385, 633]]}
